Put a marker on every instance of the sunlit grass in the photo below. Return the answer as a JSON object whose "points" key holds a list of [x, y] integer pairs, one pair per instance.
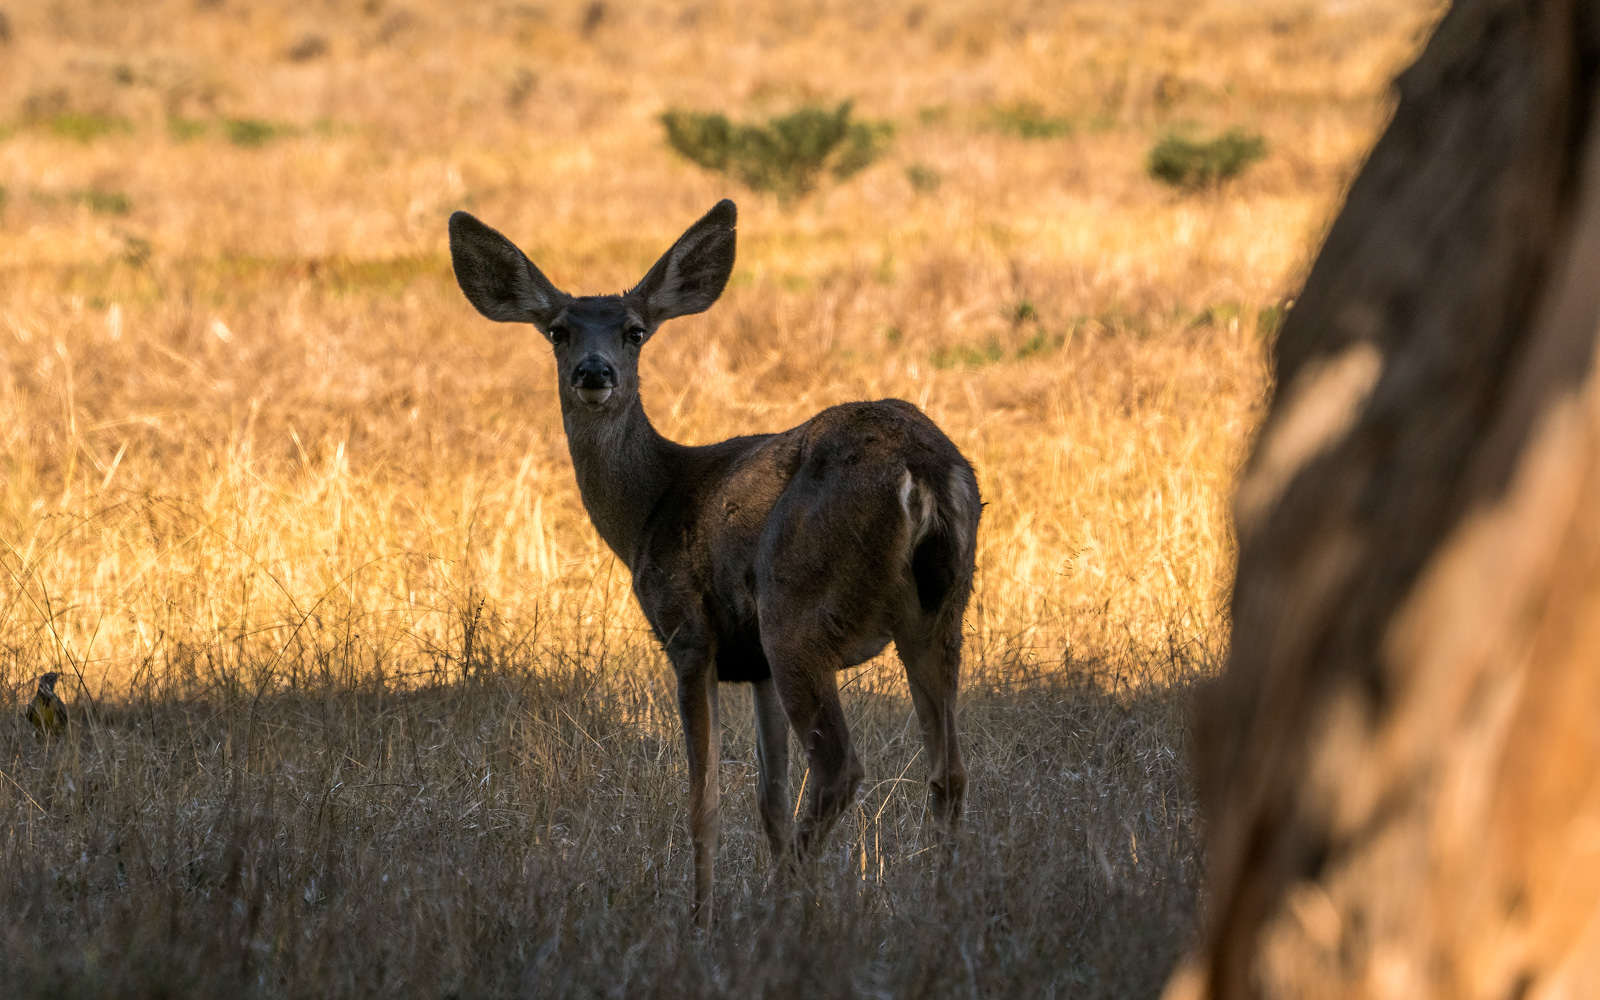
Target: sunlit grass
{"points": [[304, 527]]}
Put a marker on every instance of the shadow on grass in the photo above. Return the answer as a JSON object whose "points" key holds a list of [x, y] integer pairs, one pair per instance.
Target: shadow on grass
{"points": [[524, 835]]}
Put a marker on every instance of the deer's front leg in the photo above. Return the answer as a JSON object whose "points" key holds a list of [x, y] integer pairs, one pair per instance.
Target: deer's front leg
{"points": [[697, 704]]}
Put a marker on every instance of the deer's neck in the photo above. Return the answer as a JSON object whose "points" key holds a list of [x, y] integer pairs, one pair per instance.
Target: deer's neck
{"points": [[623, 469]]}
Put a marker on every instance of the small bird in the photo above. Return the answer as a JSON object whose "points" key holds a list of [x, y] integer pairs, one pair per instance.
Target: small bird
{"points": [[46, 711]]}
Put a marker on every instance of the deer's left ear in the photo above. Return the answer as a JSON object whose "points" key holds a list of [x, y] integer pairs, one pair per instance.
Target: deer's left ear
{"points": [[691, 276]]}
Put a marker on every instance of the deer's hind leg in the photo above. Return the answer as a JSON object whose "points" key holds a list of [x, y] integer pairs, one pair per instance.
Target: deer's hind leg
{"points": [[772, 760], [803, 672], [930, 647], [811, 700], [825, 602]]}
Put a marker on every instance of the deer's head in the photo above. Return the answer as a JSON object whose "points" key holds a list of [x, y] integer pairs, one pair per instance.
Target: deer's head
{"points": [[596, 337]]}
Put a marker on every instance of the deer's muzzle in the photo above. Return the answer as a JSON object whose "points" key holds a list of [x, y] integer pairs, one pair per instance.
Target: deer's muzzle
{"points": [[594, 379]]}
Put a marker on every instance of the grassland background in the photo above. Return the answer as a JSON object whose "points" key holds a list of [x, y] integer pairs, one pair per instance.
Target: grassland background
{"points": [[375, 712]]}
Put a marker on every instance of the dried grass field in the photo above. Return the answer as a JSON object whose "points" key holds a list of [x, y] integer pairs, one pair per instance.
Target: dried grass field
{"points": [[364, 705]]}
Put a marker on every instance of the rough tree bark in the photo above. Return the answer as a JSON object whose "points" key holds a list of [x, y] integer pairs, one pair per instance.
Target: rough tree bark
{"points": [[1400, 766]]}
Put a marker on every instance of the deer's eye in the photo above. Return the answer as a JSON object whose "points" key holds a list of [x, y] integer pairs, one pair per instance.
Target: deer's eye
{"points": [[635, 335], [559, 334]]}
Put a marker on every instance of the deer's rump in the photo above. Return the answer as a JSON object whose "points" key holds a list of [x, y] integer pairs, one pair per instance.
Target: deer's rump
{"points": [[862, 516]]}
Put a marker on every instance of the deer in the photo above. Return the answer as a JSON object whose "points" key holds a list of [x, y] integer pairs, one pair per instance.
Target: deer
{"points": [[774, 560]]}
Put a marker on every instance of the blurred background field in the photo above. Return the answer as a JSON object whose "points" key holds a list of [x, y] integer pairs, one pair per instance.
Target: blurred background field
{"points": [[298, 522]]}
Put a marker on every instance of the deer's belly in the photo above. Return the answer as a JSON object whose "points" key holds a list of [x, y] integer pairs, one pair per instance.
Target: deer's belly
{"points": [[862, 650], [739, 657], [738, 631]]}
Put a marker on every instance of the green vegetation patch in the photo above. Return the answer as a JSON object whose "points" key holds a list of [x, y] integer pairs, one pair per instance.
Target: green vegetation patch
{"points": [[1219, 314], [1029, 121], [186, 129], [103, 202], [787, 155], [923, 178], [1195, 164], [968, 355], [1222, 315], [136, 250], [1269, 320], [1039, 344], [85, 127], [250, 132]]}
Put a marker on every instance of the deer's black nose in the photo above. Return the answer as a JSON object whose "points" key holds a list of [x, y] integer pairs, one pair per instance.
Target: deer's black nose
{"points": [[594, 372]]}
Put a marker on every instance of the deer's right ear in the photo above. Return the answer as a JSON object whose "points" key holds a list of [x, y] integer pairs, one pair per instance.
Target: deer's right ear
{"points": [[498, 278]]}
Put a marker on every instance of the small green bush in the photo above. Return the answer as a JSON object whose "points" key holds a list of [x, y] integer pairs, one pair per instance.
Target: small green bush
{"points": [[86, 127], [1193, 164], [923, 178], [1039, 344], [253, 131], [1219, 314], [1028, 121], [967, 356], [1269, 320], [104, 202], [135, 250], [185, 129], [787, 155]]}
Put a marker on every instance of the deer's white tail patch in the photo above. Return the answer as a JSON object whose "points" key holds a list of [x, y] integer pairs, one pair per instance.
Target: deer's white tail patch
{"points": [[917, 502]]}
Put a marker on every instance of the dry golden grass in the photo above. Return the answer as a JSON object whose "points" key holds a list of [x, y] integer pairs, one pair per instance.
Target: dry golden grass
{"points": [[300, 522]]}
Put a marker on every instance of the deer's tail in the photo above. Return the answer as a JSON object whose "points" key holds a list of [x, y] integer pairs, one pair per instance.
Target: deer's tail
{"points": [[943, 518]]}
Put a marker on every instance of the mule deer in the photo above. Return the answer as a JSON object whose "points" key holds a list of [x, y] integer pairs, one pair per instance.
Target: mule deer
{"points": [[773, 559]]}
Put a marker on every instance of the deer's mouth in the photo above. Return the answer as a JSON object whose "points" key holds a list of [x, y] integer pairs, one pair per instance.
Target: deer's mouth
{"points": [[594, 379]]}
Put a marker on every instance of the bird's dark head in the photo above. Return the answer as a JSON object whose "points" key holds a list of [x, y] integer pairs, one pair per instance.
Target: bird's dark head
{"points": [[48, 681]]}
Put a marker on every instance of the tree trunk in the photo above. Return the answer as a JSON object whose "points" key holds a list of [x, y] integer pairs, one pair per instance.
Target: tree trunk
{"points": [[1400, 766]]}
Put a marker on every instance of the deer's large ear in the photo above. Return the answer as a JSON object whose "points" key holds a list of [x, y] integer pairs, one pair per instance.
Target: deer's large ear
{"points": [[498, 278], [690, 277]]}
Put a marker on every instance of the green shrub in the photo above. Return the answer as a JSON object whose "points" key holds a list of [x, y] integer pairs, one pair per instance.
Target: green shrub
{"points": [[104, 202], [1219, 314], [86, 127], [786, 155], [1193, 164], [924, 179], [253, 131], [967, 355], [1028, 120], [185, 129], [135, 250], [1270, 319], [1038, 344]]}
